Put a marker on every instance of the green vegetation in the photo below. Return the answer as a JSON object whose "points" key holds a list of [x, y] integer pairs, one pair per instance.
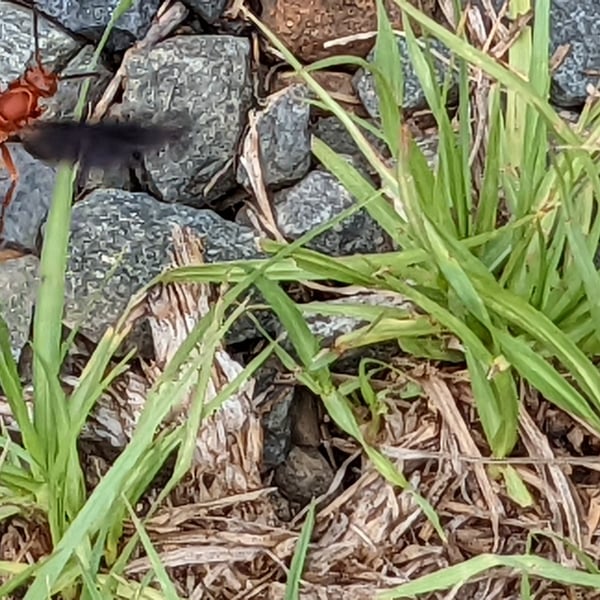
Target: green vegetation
{"points": [[502, 263]]}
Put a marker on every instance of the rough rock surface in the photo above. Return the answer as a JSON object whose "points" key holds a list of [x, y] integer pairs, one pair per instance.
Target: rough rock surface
{"points": [[201, 83], [283, 138], [318, 198], [332, 131], [274, 402], [88, 18], [33, 194], [130, 235], [414, 97], [304, 27], [209, 10], [62, 104], [18, 289], [576, 24], [304, 475]]}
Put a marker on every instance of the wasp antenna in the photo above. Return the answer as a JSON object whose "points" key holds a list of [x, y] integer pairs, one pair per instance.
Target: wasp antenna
{"points": [[36, 34], [81, 75]]}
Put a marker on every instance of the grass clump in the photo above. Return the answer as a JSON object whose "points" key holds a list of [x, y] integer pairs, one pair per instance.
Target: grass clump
{"points": [[496, 256], [503, 262]]}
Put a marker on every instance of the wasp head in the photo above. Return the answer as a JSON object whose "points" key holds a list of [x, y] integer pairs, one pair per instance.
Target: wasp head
{"points": [[43, 81]]}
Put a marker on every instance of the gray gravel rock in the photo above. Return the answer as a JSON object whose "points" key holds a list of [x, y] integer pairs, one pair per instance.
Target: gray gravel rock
{"points": [[284, 139], [18, 290], [274, 401], [16, 43], [330, 320], [318, 198], [304, 475], [414, 98], [129, 234], [29, 207], [332, 131], [209, 10], [577, 24], [202, 83], [276, 425], [89, 18]]}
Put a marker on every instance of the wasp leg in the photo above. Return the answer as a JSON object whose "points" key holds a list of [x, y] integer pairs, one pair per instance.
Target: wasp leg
{"points": [[9, 163]]}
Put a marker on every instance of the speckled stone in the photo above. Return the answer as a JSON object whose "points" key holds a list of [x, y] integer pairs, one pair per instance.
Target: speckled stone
{"points": [[209, 10], [318, 198], [131, 233], [88, 18], [284, 139], [576, 23], [341, 319], [29, 207], [202, 83], [304, 475], [16, 43], [336, 83], [304, 27], [18, 290], [414, 98], [333, 132], [275, 400]]}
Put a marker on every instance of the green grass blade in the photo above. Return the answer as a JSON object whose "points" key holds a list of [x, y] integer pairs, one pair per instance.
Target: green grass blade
{"points": [[292, 588], [459, 574]]}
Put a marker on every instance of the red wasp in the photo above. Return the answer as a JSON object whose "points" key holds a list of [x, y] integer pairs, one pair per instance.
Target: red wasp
{"points": [[94, 145]]}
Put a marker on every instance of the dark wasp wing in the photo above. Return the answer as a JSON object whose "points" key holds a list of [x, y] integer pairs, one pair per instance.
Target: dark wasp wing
{"points": [[103, 144]]}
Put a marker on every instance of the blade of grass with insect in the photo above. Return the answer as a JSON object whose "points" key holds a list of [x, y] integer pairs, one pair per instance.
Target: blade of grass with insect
{"points": [[50, 416], [497, 403]]}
